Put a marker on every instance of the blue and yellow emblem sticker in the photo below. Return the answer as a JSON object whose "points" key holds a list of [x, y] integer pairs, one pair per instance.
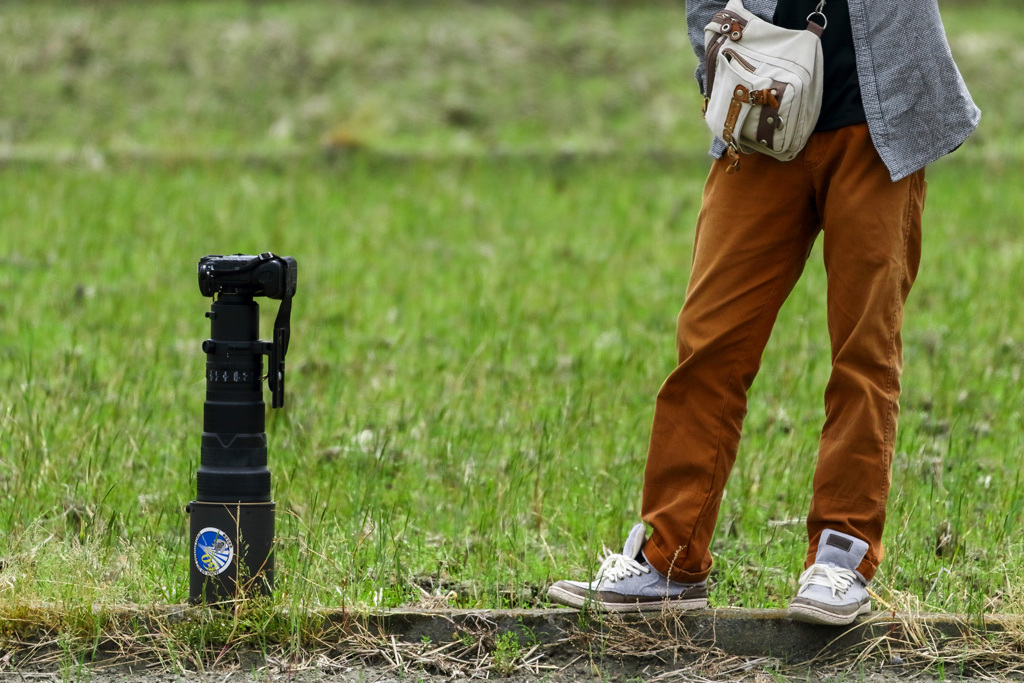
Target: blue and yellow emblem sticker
{"points": [[213, 551]]}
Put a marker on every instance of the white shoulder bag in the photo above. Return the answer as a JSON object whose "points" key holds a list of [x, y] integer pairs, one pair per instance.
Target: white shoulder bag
{"points": [[764, 82]]}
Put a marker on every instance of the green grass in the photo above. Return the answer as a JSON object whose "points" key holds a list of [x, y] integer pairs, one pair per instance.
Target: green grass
{"points": [[476, 345], [477, 340]]}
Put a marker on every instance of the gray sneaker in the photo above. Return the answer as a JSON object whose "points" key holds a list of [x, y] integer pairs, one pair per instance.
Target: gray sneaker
{"points": [[626, 582], [831, 590]]}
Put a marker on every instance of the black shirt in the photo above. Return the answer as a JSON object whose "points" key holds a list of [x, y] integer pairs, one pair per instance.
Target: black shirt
{"points": [[841, 104]]}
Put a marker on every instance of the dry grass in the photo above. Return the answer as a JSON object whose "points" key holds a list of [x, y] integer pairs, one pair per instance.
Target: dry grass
{"points": [[915, 639], [657, 647]]}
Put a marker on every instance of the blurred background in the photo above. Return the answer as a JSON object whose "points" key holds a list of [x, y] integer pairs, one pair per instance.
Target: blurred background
{"points": [[397, 76]]}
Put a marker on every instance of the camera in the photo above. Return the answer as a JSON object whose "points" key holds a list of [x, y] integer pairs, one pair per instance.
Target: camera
{"points": [[232, 518], [274, 277]]}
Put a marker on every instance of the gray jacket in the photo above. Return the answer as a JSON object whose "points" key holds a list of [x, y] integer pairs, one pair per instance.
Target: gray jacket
{"points": [[916, 103]]}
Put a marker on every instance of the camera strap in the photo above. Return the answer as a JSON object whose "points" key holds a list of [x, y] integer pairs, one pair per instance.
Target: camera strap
{"points": [[278, 349]]}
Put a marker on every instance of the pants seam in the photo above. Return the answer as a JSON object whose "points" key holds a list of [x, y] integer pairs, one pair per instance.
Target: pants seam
{"points": [[888, 440], [721, 419]]}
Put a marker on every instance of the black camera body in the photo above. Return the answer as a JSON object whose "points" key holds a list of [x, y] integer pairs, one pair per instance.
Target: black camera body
{"points": [[274, 277], [232, 517]]}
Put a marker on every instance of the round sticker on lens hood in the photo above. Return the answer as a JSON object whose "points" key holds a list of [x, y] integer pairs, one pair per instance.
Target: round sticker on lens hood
{"points": [[213, 551]]}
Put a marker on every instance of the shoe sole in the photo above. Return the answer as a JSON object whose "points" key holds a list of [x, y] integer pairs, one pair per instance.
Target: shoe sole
{"points": [[564, 597], [809, 614]]}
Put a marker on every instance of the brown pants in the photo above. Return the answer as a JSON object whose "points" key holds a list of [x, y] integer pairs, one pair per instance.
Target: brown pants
{"points": [[754, 234]]}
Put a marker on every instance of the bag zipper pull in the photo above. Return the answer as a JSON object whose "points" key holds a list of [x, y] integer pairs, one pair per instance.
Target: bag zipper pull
{"points": [[734, 157]]}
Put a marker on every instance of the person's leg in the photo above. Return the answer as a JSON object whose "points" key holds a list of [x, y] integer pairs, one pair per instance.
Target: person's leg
{"points": [[872, 248], [755, 230]]}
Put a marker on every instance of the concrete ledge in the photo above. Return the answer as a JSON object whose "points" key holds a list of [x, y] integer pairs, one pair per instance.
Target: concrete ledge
{"points": [[562, 634], [741, 632]]}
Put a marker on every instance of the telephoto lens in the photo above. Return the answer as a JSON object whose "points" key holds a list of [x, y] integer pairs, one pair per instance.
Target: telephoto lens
{"points": [[232, 518]]}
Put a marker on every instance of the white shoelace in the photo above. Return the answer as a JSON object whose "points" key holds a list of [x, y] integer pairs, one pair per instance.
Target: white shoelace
{"points": [[617, 566], [838, 579]]}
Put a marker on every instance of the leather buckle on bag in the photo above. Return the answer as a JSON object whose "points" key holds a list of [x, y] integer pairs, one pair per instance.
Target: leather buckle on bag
{"points": [[766, 97]]}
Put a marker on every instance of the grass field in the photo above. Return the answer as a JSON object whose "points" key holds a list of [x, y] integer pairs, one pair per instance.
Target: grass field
{"points": [[492, 208]]}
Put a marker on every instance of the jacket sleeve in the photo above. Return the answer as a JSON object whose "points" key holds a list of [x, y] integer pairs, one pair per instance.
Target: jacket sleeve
{"points": [[698, 14]]}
